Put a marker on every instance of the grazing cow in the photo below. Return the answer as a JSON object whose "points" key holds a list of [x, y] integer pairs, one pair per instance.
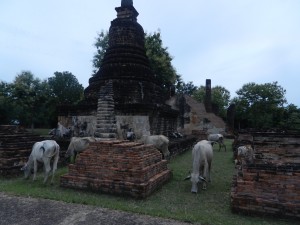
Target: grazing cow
{"points": [[217, 138], [60, 131], [78, 145], [160, 142], [202, 158], [244, 152], [43, 152]]}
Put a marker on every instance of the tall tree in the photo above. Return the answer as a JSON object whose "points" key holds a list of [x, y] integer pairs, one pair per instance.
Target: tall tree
{"points": [[7, 107], [160, 60], [28, 94], [260, 105], [65, 88], [291, 117]]}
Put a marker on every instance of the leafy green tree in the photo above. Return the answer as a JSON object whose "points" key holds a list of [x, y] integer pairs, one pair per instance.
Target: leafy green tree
{"points": [[160, 59], [101, 45], [29, 97], [7, 107], [187, 88], [65, 88], [291, 118], [260, 105]]}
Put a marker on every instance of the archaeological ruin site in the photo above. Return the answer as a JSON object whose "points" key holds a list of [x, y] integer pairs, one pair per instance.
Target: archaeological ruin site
{"points": [[125, 94]]}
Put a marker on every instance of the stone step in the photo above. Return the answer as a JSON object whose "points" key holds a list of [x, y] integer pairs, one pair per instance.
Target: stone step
{"points": [[107, 114], [106, 126], [106, 121], [105, 135], [109, 102], [105, 111], [105, 130]]}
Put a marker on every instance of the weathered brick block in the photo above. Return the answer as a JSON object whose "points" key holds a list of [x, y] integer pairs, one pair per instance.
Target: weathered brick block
{"points": [[270, 185], [115, 167]]}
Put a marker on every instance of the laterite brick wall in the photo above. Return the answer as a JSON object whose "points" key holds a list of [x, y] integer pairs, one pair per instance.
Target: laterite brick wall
{"points": [[270, 185], [118, 167], [15, 148]]}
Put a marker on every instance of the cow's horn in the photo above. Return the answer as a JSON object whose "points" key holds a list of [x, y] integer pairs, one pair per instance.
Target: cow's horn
{"points": [[187, 178], [202, 178]]}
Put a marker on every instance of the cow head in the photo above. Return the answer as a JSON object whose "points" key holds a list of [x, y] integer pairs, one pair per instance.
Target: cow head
{"points": [[70, 151], [27, 170], [195, 179]]}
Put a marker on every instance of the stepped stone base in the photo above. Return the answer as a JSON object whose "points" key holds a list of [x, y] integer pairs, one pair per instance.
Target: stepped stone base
{"points": [[118, 167]]}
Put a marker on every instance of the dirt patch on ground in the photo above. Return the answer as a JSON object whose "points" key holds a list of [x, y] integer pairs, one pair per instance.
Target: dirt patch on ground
{"points": [[23, 211]]}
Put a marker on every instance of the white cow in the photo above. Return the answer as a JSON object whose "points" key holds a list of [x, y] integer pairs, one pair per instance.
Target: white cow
{"points": [[202, 158], [78, 145], [160, 142], [43, 152], [219, 138]]}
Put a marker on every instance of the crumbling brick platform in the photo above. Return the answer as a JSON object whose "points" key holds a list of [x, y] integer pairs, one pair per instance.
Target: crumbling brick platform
{"points": [[15, 147], [270, 184], [118, 167]]}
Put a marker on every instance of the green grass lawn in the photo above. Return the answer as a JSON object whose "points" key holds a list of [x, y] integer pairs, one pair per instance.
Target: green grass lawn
{"points": [[174, 200]]}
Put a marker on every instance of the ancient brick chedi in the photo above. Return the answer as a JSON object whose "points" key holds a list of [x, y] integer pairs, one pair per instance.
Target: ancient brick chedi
{"points": [[138, 98], [126, 95]]}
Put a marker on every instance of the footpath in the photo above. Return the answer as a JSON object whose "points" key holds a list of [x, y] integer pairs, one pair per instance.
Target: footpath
{"points": [[30, 211]]}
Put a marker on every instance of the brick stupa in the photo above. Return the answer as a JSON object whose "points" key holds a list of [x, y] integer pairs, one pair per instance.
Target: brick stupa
{"points": [[126, 94]]}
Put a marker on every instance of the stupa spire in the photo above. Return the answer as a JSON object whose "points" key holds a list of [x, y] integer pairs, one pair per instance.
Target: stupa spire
{"points": [[126, 3]]}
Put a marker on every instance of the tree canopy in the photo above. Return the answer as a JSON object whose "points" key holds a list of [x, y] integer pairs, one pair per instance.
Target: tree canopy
{"points": [[65, 88], [260, 105], [30, 101]]}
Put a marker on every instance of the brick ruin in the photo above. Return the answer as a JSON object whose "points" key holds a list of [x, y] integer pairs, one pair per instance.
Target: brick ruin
{"points": [[194, 117], [124, 94], [15, 147], [270, 184], [118, 167]]}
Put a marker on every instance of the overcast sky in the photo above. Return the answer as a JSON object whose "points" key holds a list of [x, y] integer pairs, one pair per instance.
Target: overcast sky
{"points": [[231, 42]]}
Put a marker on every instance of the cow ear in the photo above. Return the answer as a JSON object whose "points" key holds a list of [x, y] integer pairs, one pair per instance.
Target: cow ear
{"points": [[187, 178]]}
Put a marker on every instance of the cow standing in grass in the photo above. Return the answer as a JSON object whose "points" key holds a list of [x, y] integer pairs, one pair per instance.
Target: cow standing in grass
{"points": [[217, 138], [202, 159], [42, 152]]}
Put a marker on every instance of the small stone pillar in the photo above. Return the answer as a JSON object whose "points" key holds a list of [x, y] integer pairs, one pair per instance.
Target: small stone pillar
{"points": [[207, 101]]}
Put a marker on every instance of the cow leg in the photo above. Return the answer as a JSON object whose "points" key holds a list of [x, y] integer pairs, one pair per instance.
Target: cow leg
{"points": [[34, 170], [75, 156], [205, 175], [47, 169], [54, 166], [209, 167]]}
